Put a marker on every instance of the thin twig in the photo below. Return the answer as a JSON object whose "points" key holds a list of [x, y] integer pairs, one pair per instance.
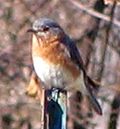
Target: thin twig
{"points": [[94, 13], [107, 41]]}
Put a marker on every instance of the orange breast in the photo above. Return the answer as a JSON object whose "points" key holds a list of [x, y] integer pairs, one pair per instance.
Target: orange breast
{"points": [[54, 53]]}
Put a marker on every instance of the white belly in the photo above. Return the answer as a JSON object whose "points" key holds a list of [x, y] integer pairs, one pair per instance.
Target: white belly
{"points": [[51, 75], [56, 76]]}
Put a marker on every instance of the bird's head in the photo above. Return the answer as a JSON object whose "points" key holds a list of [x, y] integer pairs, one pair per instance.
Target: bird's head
{"points": [[46, 30]]}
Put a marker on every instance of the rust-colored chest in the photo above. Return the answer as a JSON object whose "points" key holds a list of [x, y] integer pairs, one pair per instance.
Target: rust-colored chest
{"points": [[54, 53]]}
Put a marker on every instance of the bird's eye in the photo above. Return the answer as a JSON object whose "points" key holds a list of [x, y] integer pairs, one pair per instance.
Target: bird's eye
{"points": [[46, 28]]}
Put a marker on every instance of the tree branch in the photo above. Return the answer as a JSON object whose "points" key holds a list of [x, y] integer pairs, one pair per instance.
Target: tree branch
{"points": [[94, 13]]}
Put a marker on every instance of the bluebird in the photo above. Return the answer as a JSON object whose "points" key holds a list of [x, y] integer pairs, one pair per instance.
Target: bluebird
{"points": [[57, 61]]}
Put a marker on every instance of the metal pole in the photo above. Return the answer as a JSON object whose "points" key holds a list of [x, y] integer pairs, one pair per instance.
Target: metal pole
{"points": [[54, 111]]}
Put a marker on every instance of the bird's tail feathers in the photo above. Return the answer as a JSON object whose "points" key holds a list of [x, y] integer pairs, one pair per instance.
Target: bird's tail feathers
{"points": [[91, 87], [96, 106]]}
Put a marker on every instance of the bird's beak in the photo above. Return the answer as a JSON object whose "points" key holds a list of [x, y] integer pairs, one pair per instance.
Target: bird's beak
{"points": [[31, 30]]}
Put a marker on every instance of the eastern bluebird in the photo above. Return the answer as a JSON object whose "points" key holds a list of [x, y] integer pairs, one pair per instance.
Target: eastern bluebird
{"points": [[57, 61]]}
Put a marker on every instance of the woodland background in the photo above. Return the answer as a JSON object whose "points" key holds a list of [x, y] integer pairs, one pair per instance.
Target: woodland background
{"points": [[96, 29]]}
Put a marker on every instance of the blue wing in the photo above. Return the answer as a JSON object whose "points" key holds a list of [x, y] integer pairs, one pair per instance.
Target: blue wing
{"points": [[89, 83], [74, 53]]}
